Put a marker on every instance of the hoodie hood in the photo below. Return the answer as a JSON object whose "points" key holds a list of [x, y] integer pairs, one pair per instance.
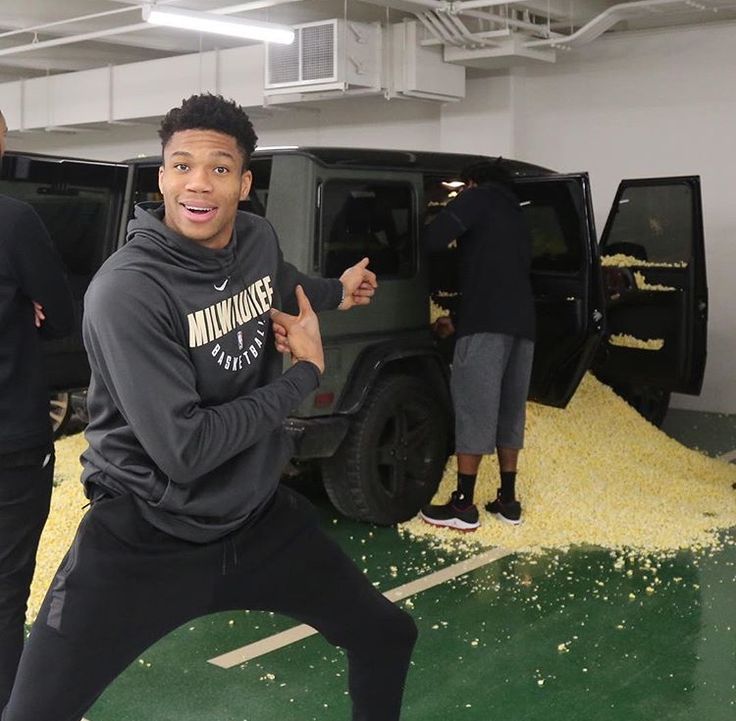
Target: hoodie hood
{"points": [[148, 226]]}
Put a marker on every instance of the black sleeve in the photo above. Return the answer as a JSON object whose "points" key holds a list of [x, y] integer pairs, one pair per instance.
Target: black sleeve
{"points": [[451, 222], [323, 293], [39, 272]]}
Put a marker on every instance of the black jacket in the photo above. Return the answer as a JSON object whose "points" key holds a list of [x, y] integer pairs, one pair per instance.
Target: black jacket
{"points": [[494, 246], [30, 269]]}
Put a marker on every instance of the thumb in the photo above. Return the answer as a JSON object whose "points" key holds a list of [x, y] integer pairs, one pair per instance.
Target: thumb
{"points": [[363, 264], [305, 306]]}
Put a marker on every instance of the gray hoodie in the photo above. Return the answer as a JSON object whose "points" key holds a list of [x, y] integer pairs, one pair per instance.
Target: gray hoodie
{"points": [[187, 396]]}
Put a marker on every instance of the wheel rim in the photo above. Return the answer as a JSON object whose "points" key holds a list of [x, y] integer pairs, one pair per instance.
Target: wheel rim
{"points": [[58, 409], [404, 449]]}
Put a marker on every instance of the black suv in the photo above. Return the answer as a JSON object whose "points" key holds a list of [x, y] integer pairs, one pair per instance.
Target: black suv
{"points": [[633, 309]]}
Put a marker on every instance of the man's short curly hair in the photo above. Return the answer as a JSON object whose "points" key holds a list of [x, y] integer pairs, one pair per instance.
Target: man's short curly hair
{"points": [[487, 171], [211, 112]]}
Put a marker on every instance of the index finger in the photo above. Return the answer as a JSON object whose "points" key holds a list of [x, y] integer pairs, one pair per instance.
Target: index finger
{"points": [[284, 319]]}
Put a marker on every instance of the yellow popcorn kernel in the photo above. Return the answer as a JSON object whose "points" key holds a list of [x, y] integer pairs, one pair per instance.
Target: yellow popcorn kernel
{"points": [[624, 340]]}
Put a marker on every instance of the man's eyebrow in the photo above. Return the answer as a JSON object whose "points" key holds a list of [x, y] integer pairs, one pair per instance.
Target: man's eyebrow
{"points": [[215, 154]]}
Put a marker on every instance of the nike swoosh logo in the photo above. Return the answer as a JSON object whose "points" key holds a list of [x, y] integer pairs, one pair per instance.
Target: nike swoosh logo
{"points": [[222, 287]]}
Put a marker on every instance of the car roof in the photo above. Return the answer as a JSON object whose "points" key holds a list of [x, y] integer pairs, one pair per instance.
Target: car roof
{"points": [[422, 160]]}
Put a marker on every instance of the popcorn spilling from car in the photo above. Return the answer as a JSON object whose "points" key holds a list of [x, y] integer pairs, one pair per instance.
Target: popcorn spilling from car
{"points": [[598, 473]]}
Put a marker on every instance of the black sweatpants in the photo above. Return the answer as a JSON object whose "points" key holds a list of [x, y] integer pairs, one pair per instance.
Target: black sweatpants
{"points": [[124, 584], [25, 493]]}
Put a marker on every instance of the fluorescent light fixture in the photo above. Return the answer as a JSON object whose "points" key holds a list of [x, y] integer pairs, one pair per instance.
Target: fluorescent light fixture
{"points": [[453, 184], [219, 24]]}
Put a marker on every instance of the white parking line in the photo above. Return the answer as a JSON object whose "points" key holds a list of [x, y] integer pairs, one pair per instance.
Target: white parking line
{"points": [[298, 633], [728, 457]]}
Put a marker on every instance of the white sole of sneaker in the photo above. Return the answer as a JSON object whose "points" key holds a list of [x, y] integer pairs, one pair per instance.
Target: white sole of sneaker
{"points": [[455, 523], [508, 520]]}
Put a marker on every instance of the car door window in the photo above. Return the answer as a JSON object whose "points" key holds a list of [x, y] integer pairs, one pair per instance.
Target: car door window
{"points": [[367, 219], [77, 202], [556, 222], [653, 223]]}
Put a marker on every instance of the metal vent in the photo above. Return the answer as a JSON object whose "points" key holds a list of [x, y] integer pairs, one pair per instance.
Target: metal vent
{"points": [[283, 62], [310, 59], [318, 52]]}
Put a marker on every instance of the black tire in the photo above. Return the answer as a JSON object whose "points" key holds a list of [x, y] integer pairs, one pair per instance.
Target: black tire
{"points": [[60, 411], [391, 461], [652, 403]]}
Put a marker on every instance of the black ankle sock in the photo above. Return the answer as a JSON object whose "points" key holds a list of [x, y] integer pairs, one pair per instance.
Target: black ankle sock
{"points": [[508, 486], [466, 485]]}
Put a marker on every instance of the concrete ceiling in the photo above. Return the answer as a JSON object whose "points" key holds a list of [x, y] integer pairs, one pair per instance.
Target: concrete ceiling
{"points": [[119, 36]]}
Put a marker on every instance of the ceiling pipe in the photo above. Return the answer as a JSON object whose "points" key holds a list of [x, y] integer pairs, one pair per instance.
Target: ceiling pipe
{"points": [[71, 39], [485, 35], [512, 23], [445, 20], [45, 26], [438, 29], [471, 37], [606, 20], [462, 6]]}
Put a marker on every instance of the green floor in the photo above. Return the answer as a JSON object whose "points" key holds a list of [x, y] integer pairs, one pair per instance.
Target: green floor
{"points": [[565, 636]]}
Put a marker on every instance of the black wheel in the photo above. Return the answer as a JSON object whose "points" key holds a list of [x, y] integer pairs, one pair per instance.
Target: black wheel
{"points": [[391, 460], [652, 403], [60, 411]]}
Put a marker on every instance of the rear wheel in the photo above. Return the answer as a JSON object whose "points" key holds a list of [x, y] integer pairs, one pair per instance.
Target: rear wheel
{"points": [[391, 460], [60, 411]]}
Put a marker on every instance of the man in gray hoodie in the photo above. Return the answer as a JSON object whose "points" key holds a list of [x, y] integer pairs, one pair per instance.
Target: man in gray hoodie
{"points": [[186, 403]]}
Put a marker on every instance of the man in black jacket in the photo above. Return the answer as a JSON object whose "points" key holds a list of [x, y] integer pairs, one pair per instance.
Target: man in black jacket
{"points": [[493, 355], [186, 445], [34, 303]]}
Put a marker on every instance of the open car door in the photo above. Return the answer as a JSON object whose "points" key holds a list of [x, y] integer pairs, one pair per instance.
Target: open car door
{"points": [[653, 260], [566, 281]]}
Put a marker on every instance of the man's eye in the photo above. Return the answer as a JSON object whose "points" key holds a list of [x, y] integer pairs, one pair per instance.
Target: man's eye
{"points": [[221, 170], [181, 166]]}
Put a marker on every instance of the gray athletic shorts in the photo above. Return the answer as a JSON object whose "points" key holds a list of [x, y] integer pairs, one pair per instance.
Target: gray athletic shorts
{"points": [[490, 384]]}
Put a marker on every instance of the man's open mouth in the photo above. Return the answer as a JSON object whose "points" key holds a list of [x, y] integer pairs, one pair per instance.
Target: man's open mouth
{"points": [[198, 212]]}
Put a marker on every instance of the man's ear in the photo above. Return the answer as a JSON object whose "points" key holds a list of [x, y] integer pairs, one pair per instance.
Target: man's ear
{"points": [[246, 180], [160, 178]]}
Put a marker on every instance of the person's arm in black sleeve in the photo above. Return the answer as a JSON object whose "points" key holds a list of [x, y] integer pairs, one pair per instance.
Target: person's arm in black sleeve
{"points": [[39, 272], [148, 372], [456, 218], [323, 293]]}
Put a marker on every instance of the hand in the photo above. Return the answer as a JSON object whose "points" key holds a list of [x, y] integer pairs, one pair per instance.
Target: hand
{"points": [[359, 285], [299, 334], [38, 315], [443, 327]]}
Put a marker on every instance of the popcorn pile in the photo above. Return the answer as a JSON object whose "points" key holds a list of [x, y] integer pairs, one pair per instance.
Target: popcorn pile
{"points": [[67, 503], [597, 473], [642, 284], [594, 473], [619, 260], [625, 340]]}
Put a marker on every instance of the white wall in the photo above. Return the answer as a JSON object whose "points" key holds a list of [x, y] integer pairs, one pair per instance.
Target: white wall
{"points": [[627, 105]]}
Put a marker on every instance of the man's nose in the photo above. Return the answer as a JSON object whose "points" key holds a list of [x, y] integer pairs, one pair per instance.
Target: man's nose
{"points": [[198, 179]]}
